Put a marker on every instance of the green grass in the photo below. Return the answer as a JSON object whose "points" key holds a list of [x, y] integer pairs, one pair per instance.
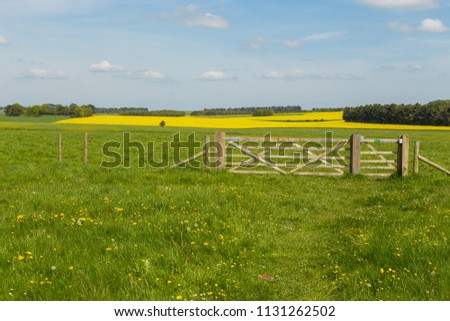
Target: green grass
{"points": [[81, 232], [26, 119]]}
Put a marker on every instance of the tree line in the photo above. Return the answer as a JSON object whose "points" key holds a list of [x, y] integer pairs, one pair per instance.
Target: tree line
{"points": [[140, 111], [246, 110], [435, 113], [49, 109]]}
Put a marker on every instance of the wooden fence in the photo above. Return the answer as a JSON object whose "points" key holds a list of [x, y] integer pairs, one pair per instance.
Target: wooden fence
{"points": [[418, 158], [60, 147], [305, 156], [301, 156]]}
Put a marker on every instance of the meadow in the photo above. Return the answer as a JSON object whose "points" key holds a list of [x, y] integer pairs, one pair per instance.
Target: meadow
{"points": [[71, 231]]}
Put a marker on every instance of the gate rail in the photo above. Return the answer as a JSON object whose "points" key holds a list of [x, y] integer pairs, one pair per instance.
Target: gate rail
{"points": [[304, 156]]}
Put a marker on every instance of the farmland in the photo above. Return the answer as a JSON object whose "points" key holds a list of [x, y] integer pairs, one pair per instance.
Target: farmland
{"points": [[71, 231], [298, 120]]}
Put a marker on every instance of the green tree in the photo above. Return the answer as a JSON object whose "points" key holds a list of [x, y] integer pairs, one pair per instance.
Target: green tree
{"points": [[14, 110]]}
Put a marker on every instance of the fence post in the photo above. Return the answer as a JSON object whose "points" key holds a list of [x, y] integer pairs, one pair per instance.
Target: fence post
{"points": [[219, 138], [402, 155], [355, 154], [206, 152], [416, 157], [85, 148], [59, 146]]}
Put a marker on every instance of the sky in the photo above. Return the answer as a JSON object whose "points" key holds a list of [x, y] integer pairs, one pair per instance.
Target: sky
{"points": [[190, 55]]}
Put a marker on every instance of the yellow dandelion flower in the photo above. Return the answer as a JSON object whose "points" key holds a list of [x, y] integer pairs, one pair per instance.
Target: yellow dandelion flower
{"points": [[29, 253], [119, 209], [179, 297], [381, 270], [21, 257], [70, 268], [108, 249]]}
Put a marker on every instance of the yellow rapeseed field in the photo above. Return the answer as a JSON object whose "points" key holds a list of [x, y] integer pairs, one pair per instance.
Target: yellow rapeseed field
{"points": [[306, 120]]}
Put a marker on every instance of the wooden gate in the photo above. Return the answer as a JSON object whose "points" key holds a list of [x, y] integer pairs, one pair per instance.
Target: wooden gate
{"points": [[305, 156]]}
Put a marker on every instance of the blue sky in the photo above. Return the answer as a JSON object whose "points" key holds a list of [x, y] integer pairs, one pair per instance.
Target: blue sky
{"points": [[225, 53]]}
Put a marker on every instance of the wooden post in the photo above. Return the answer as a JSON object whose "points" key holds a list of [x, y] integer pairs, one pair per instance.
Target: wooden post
{"points": [[427, 161], [416, 157], [267, 148], [206, 152], [219, 142], [402, 155], [59, 146], [85, 148], [355, 154]]}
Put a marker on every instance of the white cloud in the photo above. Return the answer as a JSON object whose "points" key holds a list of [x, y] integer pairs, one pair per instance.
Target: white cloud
{"points": [[147, 75], [415, 67], [3, 40], [387, 68], [396, 26], [292, 75], [432, 25], [273, 75], [43, 74], [215, 75], [343, 76], [256, 44], [206, 20], [292, 43], [301, 74], [191, 16], [105, 66], [325, 35], [408, 4]]}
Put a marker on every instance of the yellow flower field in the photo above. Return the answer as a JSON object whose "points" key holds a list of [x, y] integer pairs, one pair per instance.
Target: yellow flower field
{"points": [[306, 120]]}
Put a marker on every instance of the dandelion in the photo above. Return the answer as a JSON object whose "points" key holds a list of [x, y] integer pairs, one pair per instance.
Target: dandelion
{"points": [[70, 268], [108, 249], [21, 257], [179, 297], [20, 218]]}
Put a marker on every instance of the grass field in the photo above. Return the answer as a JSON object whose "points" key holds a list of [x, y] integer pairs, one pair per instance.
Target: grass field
{"points": [[82, 232]]}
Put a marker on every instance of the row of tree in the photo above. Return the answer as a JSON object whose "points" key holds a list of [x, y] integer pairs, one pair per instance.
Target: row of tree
{"points": [[435, 113], [263, 112], [325, 109], [140, 111], [163, 112], [117, 111], [245, 110], [49, 109]]}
